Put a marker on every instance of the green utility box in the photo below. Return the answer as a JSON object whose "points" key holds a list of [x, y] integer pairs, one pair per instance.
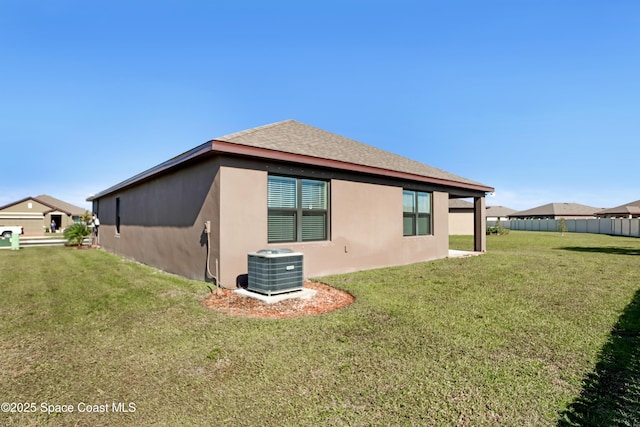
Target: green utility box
{"points": [[15, 241]]}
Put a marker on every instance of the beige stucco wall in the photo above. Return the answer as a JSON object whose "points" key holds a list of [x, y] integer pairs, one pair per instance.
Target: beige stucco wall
{"points": [[24, 207], [31, 223], [461, 223], [243, 220], [365, 227]]}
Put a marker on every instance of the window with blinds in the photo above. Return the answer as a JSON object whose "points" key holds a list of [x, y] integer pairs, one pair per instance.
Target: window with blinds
{"points": [[416, 213], [297, 209]]}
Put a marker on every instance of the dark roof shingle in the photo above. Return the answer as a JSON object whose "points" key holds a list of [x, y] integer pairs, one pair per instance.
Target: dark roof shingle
{"points": [[499, 211], [558, 209], [631, 208], [294, 137], [60, 205]]}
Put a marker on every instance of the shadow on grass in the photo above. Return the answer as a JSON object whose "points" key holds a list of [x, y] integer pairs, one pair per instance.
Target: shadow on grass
{"points": [[611, 394], [603, 249]]}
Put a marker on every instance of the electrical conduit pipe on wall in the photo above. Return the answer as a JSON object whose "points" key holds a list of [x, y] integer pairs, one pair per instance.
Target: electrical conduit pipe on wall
{"points": [[207, 230]]}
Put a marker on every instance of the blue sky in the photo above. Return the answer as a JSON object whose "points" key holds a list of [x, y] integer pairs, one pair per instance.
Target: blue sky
{"points": [[537, 98]]}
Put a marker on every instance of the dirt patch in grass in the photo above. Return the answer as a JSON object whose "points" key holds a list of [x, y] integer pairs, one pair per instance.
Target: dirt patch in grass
{"points": [[326, 299]]}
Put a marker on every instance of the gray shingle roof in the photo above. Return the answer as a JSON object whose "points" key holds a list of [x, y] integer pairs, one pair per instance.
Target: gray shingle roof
{"points": [[632, 208], [558, 209], [499, 211], [460, 204], [60, 205], [290, 136]]}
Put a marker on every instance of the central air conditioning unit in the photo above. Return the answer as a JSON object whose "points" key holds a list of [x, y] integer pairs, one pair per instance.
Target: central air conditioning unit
{"points": [[275, 271]]}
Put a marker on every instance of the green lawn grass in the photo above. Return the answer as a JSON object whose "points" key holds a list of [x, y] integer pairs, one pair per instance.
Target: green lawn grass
{"points": [[542, 330]]}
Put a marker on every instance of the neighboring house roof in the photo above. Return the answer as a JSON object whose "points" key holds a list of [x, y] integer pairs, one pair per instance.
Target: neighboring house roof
{"points": [[631, 208], [60, 205], [460, 204], [499, 211], [558, 209], [297, 142], [52, 203]]}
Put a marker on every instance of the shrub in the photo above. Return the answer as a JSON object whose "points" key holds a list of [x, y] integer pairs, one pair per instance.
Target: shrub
{"points": [[76, 233], [497, 229]]}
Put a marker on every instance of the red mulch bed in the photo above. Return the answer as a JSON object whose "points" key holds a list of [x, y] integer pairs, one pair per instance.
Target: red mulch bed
{"points": [[327, 299]]}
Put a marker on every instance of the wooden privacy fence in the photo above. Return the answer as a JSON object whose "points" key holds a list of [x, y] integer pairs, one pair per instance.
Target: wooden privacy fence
{"points": [[614, 226]]}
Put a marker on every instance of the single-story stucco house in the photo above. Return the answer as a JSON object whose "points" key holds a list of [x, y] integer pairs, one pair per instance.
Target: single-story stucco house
{"points": [[35, 214], [345, 205], [557, 211], [628, 210], [498, 213]]}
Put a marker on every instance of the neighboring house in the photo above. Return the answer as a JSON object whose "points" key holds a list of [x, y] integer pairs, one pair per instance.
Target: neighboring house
{"points": [[498, 213], [557, 211], [460, 217], [629, 210], [36, 213], [345, 205]]}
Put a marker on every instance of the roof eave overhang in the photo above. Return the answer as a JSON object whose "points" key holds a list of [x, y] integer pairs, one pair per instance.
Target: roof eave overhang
{"points": [[162, 167], [224, 147], [245, 150], [15, 203], [52, 210]]}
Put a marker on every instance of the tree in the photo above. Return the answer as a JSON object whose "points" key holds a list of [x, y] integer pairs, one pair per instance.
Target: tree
{"points": [[562, 226], [86, 217]]}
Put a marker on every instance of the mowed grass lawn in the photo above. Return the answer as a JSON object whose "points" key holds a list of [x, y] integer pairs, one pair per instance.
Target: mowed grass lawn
{"points": [[542, 330]]}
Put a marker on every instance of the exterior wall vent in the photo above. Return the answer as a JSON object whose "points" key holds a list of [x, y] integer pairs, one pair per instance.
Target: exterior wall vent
{"points": [[275, 271]]}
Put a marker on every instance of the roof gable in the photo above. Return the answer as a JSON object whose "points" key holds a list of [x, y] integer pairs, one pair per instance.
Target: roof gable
{"points": [[294, 137], [15, 203], [52, 203], [40, 205]]}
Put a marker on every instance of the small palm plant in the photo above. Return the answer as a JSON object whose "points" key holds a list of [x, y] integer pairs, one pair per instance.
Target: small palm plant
{"points": [[76, 233]]}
